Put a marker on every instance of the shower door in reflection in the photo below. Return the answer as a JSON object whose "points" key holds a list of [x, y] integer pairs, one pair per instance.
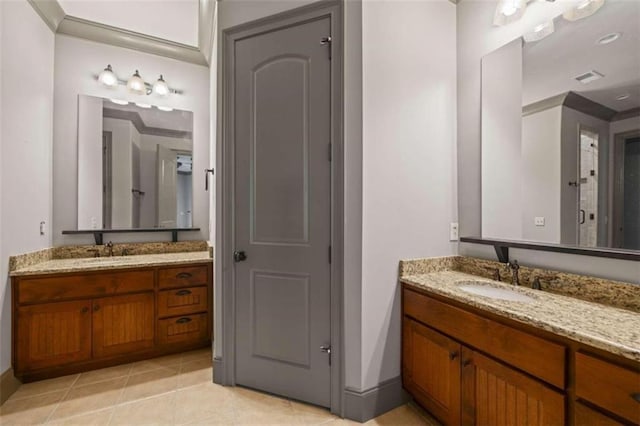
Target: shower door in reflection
{"points": [[588, 188]]}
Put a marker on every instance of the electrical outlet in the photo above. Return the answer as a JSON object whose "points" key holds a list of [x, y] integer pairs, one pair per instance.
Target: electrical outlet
{"points": [[94, 222], [453, 231], [43, 227], [539, 220]]}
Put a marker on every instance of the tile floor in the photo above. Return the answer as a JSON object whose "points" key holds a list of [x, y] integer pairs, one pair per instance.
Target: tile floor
{"points": [[172, 390]]}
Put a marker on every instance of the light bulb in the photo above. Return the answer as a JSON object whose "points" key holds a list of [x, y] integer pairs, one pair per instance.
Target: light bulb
{"points": [[509, 11], [107, 77], [136, 84], [160, 87]]}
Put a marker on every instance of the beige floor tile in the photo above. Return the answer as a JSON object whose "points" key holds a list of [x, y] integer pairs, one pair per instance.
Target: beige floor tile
{"points": [[103, 374], [401, 416], [95, 418], [195, 372], [153, 411], [311, 415], [93, 397], [28, 390], [152, 383], [253, 408], [197, 355], [202, 402], [30, 411], [431, 421]]}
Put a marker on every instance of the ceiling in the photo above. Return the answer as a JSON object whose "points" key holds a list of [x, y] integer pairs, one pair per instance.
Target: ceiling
{"points": [[174, 20], [551, 65], [153, 117]]}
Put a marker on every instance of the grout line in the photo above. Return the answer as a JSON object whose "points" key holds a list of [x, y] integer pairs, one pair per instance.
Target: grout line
{"points": [[61, 400]]}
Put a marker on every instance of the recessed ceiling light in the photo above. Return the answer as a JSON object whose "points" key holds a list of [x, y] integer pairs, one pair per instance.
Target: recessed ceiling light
{"points": [[539, 32], [143, 105], [119, 101], [623, 97], [609, 38], [509, 11], [589, 76], [164, 108]]}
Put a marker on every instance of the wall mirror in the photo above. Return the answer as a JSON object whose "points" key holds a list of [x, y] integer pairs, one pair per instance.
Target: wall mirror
{"points": [[134, 165], [561, 133]]}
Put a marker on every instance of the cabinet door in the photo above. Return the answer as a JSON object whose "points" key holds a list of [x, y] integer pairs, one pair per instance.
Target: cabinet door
{"points": [[123, 324], [494, 394], [431, 370], [53, 334]]}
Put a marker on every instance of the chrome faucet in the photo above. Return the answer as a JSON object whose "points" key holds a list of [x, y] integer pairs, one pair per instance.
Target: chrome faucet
{"points": [[109, 247], [514, 267]]}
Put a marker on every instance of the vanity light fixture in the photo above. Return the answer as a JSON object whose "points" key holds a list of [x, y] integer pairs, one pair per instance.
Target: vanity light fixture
{"points": [[539, 32], [160, 87], [509, 11], [584, 9], [107, 77], [623, 97], [119, 102], [165, 108], [609, 38], [136, 84]]}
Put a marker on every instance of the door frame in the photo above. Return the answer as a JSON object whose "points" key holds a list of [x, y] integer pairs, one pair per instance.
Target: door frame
{"points": [[617, 197], [332, 9]]}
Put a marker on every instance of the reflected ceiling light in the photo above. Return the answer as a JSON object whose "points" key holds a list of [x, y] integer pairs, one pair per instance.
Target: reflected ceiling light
{"points": [[539, 32], [141, 105], [160, 87], [136, 84], [623, 97], [509, 11], [609, 38], [584, 9], [164, 108], [119, 101], [107, 77]]}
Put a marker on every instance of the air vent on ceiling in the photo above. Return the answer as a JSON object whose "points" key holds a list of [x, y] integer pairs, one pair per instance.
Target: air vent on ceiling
{"points": [[589, 76]]}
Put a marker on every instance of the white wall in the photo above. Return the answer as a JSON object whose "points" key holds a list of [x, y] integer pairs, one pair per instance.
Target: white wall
{"points": [[90, 169], [76, 63], [409, 92], [541, 184], [476, 38], [501, 142], [122, 136], [26, 81]]}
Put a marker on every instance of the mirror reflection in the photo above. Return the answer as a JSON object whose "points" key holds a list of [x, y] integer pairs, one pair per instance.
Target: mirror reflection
{"points": [[134, 166], [561, 134]]}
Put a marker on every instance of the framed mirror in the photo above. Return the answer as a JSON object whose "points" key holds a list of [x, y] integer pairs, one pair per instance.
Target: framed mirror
{"points": [[135, 165], [561, 134]]}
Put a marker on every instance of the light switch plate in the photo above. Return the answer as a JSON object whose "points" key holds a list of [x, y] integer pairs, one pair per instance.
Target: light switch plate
{"points": [[453, 231], [539, 220]]}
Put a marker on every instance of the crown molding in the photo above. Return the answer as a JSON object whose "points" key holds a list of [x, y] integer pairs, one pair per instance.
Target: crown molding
{"points": [[53, 15]]}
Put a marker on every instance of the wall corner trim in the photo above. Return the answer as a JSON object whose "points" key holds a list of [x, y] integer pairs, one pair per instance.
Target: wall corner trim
{"points": [[8, 385], [50, 11], [362, 406]]}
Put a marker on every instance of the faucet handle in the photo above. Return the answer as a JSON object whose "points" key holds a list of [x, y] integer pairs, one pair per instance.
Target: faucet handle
{"points": [[513, 265]]}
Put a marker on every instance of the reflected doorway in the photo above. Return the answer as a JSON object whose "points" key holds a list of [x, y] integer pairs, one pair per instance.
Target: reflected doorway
{"points": [[626, 200]]}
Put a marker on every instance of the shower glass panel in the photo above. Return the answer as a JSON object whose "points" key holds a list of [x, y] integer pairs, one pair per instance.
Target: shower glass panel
{"points": [[588, 188]]}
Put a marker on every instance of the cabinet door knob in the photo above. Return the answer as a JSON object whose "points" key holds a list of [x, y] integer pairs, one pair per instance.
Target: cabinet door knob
{"points": [[96, 308], [466, 363], [183, 292], [183, 275], [636, 396], [84, 310], [453, 355]]}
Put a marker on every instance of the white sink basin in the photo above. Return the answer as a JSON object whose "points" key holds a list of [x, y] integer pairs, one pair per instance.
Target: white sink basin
{"points": [[486, 290]]}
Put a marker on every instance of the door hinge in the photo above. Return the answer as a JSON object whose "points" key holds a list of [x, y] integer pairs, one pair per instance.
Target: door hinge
{"points": [[329, 254], [327, 41]]}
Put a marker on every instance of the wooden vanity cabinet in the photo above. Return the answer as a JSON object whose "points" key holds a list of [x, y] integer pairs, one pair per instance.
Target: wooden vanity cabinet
{"points": [[72, 322]]}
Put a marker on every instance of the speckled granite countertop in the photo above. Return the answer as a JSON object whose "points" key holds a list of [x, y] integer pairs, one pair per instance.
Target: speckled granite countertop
{"points": [[115, 262], [603, 327]]}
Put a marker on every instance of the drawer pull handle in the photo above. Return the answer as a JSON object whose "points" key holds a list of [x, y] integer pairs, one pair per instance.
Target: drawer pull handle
{"points": [[183, 320], [636, 396], [453, 355], [183, 275], [183, 292]]}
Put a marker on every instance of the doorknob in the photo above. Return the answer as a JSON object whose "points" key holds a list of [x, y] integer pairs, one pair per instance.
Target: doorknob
{"points": [[206, 178], [326, 349], [239, 256]]}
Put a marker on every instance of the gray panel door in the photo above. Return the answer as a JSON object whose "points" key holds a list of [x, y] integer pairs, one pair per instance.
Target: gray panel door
{"points": [[282, 196]]}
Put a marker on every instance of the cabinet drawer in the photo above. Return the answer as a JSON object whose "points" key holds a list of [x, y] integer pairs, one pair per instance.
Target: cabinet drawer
{"points": [[537, 356], [182, 301], [186, 276], [51, 289], [183, 329], [608, 386], [585, 416]]}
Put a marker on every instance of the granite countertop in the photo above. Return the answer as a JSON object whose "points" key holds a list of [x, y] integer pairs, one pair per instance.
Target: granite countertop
{"points": [[115, 262], [611, 329]]}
